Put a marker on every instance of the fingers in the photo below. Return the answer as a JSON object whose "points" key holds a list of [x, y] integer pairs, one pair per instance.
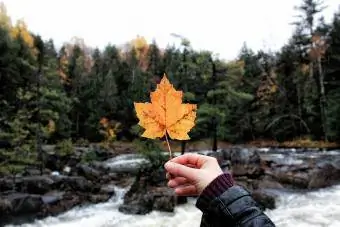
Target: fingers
{"points": [[178, 181], [178, 170], [189, 190], [193, 159], [168, 176]]}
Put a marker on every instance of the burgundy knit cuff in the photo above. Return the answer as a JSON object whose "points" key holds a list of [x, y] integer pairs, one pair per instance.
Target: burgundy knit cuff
{"points": [[219, 185]]}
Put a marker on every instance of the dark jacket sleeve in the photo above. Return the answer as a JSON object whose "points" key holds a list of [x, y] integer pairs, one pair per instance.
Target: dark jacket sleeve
{"points": [[224, 204]]}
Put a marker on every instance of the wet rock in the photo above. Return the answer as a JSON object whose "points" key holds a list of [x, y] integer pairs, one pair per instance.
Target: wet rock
{"points": [[58, 202], [149, 192], [108, 189], [5, 207], [6, 184], [293, 179], [264, 199], [246, 162], [128, 163], [245, 182], [226, 154], [52, 197], [88, 172], [80, 184], [98, 198], [268, 183], [31, 172], [164, 203], [34, 184], [134, 209], [327, 175], [24, 203]]}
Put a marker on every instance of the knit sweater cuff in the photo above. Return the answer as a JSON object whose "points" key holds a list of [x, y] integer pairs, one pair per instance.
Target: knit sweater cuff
{"points": [[219, 185]]}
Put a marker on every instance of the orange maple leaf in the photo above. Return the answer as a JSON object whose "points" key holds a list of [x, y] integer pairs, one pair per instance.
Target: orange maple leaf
{"points": [[166, 114]]}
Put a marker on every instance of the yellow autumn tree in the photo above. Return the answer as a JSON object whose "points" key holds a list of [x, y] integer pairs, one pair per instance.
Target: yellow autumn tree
{"points": [[109, 129], [5, 20], [20, 30], [140, 45], [141, 48]]}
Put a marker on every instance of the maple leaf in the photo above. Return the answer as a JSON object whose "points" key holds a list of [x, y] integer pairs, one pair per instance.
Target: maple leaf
{"points": [[166, 114]]}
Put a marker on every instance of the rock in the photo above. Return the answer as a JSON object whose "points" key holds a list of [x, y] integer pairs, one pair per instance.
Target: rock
{"points": [[59, 202], [108, 190], [88, 172], [246, 162], [127, 163], [102, 153], [31, 172], [34, 184], [161, 199], [6, 184], [53, 197], [24, 203], [245, 182], [164, 203], [99, 198], [56, 162], [326, 176], [226, 154], [19, 208], [149, 192], [292, 179], [181, 200], [80, 184], [134, 209], [268, 183], [264, 199], [5, 207]]}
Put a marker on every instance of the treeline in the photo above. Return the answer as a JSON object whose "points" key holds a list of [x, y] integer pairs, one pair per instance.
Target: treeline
{"points": [[83, 93]]}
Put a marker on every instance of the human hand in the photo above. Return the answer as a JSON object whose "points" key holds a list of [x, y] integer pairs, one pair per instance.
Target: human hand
{"points": [[191, 173]]}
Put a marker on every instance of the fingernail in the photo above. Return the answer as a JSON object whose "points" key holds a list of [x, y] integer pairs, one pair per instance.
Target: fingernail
{"points": [[168, 165]]}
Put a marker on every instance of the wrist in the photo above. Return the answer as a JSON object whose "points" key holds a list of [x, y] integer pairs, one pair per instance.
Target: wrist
{"points": [[214, 189]]}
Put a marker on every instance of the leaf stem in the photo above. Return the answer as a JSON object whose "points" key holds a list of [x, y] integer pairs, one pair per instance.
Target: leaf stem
{"points": [[167, 141]]}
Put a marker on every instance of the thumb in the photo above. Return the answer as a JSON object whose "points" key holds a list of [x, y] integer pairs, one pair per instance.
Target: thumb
{"points": [[179, 170]]}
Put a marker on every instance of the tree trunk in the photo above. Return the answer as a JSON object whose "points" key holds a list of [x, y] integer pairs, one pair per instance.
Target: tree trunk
{"points": [[322, 100], [183, 145], [214, 146]]}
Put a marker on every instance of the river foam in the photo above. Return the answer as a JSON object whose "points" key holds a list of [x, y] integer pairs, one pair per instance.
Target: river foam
{"points": [[313, 209]]}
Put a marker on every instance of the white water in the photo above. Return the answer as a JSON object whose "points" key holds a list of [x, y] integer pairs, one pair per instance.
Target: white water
{"points": [[313, 209]]}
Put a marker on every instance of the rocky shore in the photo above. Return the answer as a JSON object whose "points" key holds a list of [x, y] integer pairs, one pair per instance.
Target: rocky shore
{"points": [[69, 181]]}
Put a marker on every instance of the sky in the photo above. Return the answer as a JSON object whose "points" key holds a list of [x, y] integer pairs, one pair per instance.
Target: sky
{"points": [[221, 26]]}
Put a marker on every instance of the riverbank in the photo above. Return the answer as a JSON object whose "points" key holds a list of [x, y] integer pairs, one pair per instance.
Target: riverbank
{"points": [[206, 144]]}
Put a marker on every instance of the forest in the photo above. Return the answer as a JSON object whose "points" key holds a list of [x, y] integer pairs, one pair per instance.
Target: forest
{"points": [[79, 93]]}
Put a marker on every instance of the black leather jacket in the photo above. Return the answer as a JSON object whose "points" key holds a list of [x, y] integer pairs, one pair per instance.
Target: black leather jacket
{"points": [[234, 207]]}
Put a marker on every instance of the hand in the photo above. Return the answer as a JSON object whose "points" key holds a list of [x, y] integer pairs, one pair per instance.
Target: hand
{"points": [[191, 173]]}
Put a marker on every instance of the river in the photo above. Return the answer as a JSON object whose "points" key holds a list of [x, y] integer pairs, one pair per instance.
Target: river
{"points": [[312, 209]]}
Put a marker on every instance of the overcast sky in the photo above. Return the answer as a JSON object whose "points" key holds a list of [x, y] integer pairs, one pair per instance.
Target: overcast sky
{"points": [[217, 25]]}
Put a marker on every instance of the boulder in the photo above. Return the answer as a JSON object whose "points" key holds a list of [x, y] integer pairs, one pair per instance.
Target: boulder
{"points": [[108, 189], [245, 162], [149, 192], [76, 183], [5, 207], [326, 175], [34, 184], [264, 199], [22, 203], [88, 172]]}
